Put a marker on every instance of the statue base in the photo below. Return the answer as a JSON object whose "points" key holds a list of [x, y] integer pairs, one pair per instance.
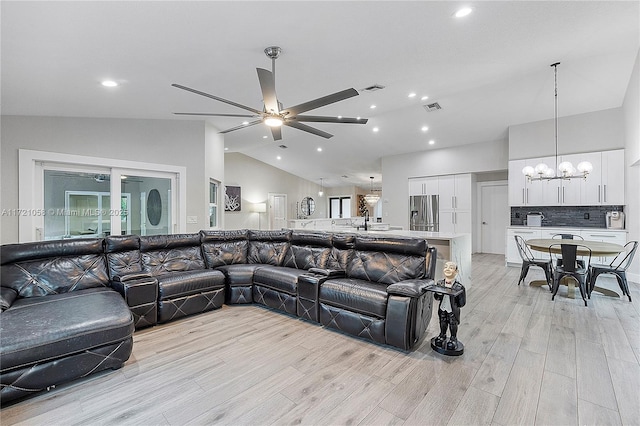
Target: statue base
{"points": [[457, 351]]}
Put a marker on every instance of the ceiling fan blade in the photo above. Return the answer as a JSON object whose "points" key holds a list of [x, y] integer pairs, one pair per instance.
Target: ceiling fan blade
{"points": [[309, 129], [276, 132], [235, 104], [214, 115], [325, 100], [242, 126], [321, 119], [268, 87]]}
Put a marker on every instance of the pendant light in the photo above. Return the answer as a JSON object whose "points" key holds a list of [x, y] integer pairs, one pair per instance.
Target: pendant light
{"points": [[371, 198], [321, 192], [566, 169]]}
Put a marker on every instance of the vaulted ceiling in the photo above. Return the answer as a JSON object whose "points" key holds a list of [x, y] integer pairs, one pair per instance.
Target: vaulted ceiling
{"points": [[487, 71]]}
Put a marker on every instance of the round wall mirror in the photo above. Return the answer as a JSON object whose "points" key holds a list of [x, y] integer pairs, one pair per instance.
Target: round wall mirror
{"points": [[308, 206]]}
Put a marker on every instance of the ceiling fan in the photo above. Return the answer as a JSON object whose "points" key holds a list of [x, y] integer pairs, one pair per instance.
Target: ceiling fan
{"points": [[273, 114]]}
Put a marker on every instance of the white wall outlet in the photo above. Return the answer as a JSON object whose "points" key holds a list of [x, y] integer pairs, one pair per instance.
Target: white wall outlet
{"points": [[192, 219]]}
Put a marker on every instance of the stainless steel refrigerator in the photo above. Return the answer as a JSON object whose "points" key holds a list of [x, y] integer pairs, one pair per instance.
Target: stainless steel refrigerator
{"points": [[423, 213]]}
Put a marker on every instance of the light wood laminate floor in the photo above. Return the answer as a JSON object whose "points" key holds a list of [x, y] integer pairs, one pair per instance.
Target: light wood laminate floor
{"points": [[528, 360]]}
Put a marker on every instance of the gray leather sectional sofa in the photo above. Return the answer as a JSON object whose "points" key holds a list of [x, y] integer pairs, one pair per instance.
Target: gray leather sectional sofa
{"points": [[61, 318]]}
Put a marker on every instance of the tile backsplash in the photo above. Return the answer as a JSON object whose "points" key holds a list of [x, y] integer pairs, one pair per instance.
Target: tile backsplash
{"points": [[571, 216]]}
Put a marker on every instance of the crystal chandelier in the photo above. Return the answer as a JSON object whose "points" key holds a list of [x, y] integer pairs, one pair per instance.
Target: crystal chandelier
{"points": [[566, 169], [371, 198]]}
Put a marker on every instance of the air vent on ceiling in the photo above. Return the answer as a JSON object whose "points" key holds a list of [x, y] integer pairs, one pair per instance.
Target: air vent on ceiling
{"points": [[373, 88], [432, 107], [284, 146]]}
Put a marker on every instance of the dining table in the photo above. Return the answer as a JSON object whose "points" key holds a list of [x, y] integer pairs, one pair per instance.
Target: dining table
{"points": [[598, 248]]}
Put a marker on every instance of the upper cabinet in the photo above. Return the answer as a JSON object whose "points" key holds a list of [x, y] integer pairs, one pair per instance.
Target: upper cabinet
{"points": [[455, 192], [603, 186], [423, 186]]}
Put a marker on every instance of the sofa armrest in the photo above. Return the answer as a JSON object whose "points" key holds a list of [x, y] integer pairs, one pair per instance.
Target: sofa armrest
{"points": [[131, 277], [409, 288], [137, 291], [7, 296], [331, 273]]}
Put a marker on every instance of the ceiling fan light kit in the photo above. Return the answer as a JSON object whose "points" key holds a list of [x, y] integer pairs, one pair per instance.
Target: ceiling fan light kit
{"points": [[273, 114], [566, 169]]}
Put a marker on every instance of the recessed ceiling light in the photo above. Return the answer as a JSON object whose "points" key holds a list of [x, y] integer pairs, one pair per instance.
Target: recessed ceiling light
{"points": [[319, 149], [339, 117], [372, 107], [244, 123], [431, 142], [279, 158], [264, 137], [109, 83], [424, 98], [412, 95], [424, 128], [462, 12], [375, 129], [226, 149], [357, 118]]}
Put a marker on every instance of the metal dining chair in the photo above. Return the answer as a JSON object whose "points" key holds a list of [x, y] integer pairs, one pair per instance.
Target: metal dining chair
{"points": [[567, 237], [528, 259], [570, 267], [617, 267]]}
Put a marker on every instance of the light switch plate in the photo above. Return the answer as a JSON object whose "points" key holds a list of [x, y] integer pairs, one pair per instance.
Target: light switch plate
{"points": [[192, 219]]}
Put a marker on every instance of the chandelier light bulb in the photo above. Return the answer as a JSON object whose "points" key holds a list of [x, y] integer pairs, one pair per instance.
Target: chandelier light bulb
{"points": [[565, 167], [528, 171], [585, 167], [541, 168]]}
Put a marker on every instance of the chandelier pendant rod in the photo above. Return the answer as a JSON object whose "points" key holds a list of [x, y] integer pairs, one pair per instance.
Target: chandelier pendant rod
{"points": [[555, 110]]}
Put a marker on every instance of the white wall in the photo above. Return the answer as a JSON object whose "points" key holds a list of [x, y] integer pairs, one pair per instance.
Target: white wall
{"points": [[171, 142], [397, 169], [631, 114], [257, 180], [213, 169], [594, 131]]}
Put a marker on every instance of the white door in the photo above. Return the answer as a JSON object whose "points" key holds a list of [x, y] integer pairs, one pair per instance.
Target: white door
{"points": [[277, 211], [494, 218]]}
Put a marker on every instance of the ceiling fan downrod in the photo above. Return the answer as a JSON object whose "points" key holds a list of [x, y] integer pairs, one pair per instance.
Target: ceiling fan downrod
{"points": [[273, 52]]}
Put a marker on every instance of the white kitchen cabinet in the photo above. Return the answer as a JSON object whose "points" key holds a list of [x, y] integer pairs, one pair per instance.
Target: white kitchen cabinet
{"points": [[455, 191], [455, 203], [604, 235], [603, 186], [612, 177], [423, 186], [534, 193], [511, 250]]}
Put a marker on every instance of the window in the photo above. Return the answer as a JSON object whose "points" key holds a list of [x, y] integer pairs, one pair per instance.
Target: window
{"points": [[339, 207], [213, 203]]}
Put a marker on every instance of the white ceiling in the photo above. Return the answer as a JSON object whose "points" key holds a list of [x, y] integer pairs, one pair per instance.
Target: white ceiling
{"points": [[488, 71]]}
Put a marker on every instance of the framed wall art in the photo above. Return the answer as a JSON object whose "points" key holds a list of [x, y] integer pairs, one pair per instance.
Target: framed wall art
{"points": [[232, 199]]}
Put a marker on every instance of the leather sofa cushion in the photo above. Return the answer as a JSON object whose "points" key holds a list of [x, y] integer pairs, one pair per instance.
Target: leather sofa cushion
{"points": [[267, 252], [159, 242], [342, 251], [239, 274], [278, 278], [399, 245], [160, 262], [185, 283], [355, 295], [225, 252], [124, 263], [305, 257], [44, 328], [311, 238], [386, 268], [55, 275], [12, 253]]}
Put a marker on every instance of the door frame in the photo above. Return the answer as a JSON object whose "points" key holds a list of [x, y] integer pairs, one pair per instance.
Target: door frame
{"points": [[480, 185], [271, 218], [31, 166]]}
